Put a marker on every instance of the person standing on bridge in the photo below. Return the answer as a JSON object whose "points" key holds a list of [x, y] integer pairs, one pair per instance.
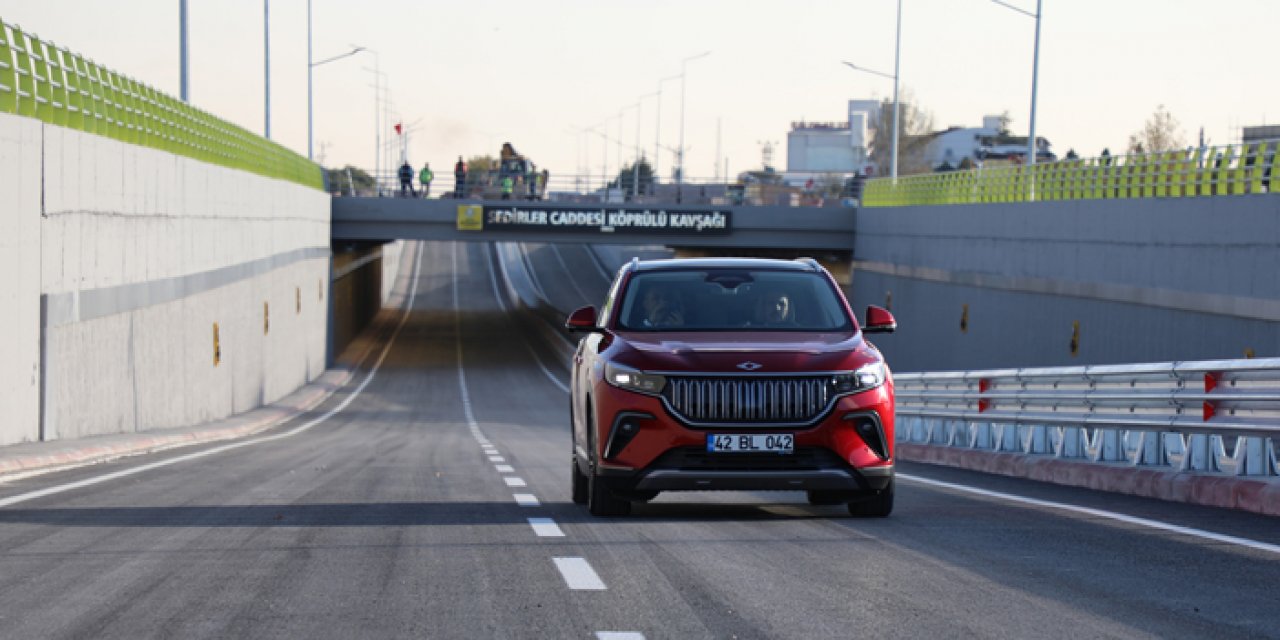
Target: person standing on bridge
{"points": [[425, 176], [406, 180], [531, 180], [460, 179], [508, 185]]}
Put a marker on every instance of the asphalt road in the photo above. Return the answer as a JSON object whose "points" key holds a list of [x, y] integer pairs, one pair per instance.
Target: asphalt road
{"points": [[390, 518]]}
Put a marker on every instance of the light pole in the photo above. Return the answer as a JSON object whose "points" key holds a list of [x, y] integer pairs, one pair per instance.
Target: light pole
{"points": [[893, 149], [680, 175], [657, 127], [183, 66], [310, 72], [266, 67], [897, 106], [1035, 78], [635, 167]]}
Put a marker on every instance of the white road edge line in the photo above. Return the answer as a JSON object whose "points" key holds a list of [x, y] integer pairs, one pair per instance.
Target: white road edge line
{"points": [[578, 574], [619, 635], [1119, 517], [573, 282], [546, 528], [493, 279], [408, 308], [526, 499]]}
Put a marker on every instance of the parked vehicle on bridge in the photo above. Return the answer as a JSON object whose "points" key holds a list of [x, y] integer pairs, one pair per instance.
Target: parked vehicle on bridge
{"points": [[730, 374]]}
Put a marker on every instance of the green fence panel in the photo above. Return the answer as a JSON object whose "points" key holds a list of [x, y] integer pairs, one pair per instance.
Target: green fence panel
{"points": [[75, 99], [50, 67], [8, 80], [26, 84], [1261, 163], [1239, 181], [42, 91]]}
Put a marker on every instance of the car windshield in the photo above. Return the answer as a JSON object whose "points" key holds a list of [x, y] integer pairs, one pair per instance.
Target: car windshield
{"points": [[731, 300]]}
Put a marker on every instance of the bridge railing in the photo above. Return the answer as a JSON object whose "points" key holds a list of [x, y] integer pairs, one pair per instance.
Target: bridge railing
{"points": [[1219, 416], [39, 79], [1209, 171], [597, 188]]}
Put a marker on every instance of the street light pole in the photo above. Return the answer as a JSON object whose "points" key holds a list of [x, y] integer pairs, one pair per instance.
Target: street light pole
{"points": [[657, 128], [310, 70], [266, 66], [897, 106], [893, 153], [1035, 80], [184, 67], [680, 175]]}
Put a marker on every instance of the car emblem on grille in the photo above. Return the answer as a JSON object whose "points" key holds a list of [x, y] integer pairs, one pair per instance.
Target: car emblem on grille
{"points": [[749, 365]]}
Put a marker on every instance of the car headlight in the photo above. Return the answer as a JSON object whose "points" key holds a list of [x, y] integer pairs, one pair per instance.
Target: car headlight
{"points": [[625, 377], [866, 377]]}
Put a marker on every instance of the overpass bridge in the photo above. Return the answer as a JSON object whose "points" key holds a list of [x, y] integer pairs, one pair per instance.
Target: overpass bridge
{"points": [[724, 227]]}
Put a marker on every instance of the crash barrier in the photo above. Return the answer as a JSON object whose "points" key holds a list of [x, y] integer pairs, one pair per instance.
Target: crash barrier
{"points": [[1218, 416], [40, 80], [1208, 171]]}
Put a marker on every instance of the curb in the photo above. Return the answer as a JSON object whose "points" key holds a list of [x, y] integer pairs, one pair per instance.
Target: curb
{"points": [[1242, 493]]}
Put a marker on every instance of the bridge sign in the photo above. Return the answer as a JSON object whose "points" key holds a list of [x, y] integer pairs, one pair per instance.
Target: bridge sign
{"points": [[620, 220]]}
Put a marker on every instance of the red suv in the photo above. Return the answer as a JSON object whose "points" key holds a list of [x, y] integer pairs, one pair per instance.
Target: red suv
{"points": [[738, 374]]}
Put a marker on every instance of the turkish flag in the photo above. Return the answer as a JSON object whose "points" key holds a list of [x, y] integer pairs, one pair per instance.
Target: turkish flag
{"points": [[398, 132]]}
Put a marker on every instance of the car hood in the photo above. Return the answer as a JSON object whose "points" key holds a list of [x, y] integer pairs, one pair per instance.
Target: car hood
{"points": [[738, 352]]}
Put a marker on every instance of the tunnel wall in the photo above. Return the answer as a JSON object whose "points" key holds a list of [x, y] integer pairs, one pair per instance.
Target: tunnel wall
{"points": [[1142, 280], [126, 258]]}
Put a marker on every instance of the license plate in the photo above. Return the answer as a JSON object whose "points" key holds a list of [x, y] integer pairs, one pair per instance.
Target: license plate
{"points": [[753, 443]]}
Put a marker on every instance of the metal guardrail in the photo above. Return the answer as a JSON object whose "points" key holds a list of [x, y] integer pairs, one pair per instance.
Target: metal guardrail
{"points": [[1210, 171], [41, 80], [1218, 416]]}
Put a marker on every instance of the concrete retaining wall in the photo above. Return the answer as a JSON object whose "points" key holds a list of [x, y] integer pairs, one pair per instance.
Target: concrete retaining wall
{"points": [[138, 255], [1146, 280], [20, 144]]}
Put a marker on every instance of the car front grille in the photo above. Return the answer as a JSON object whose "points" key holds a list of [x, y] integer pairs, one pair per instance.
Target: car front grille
{"points": [[740, 399]]}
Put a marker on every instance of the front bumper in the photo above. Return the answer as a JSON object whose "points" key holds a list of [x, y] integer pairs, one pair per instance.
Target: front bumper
{"points": [[867, 480]]}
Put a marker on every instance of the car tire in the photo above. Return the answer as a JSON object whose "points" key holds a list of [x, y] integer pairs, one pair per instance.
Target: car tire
{"points": [[878, 506], [579, 483]]}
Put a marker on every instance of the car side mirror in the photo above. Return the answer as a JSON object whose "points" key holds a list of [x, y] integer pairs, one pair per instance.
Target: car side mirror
{"points": [[879, 320], [583, 319]]}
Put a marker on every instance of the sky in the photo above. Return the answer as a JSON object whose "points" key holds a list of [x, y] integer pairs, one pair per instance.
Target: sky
{"points": [[464, 77]]}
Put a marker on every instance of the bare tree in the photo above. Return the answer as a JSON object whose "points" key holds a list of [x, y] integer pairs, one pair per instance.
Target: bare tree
{"points": [[1160, 133], [913, 136]]}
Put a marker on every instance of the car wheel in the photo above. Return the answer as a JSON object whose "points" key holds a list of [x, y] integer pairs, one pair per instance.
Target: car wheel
{"points": [[877, 506], [579, 480]]}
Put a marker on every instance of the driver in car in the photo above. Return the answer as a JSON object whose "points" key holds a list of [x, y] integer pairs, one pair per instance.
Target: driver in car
{"points": [[662, 309], [773, 309]]}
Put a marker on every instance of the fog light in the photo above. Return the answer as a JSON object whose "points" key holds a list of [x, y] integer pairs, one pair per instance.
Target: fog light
{"points": [[868, 428], [625, 428]]}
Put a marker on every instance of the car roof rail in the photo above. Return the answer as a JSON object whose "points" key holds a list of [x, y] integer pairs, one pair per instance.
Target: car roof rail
{"points": [[811, 262]]}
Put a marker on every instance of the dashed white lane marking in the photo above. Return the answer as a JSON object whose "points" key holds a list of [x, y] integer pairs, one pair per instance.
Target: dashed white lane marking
{"points": [[87, 482], [619, 635], [1119, 517], [578, 574], [493, 279], [526, 499], [546, 528], [504, 468], [497, 459], [515, 482]]}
